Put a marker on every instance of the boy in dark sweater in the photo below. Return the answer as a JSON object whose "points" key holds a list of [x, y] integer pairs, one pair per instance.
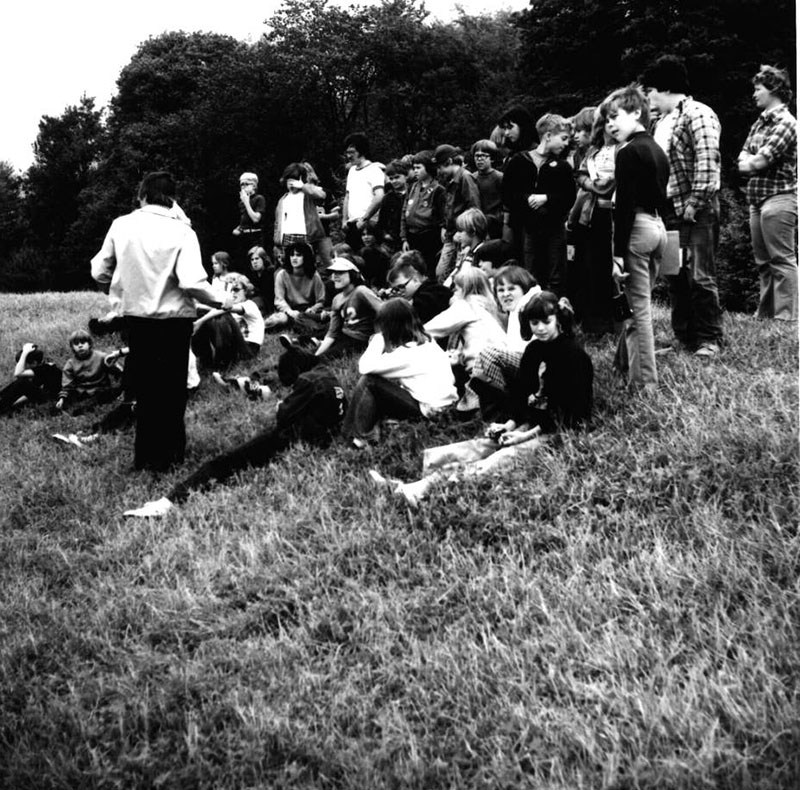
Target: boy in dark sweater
{"points": [[461, 193], [538, 191]]}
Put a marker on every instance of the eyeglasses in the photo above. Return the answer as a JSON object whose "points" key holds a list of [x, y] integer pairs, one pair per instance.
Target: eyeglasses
{"points": [[399, 287]]}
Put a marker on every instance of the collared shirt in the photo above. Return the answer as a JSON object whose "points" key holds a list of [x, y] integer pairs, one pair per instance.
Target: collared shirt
{"points": [[151, 258], [694, 159], [774, 136]]}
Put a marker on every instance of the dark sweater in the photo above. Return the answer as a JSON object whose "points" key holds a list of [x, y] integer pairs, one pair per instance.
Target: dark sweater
{"points": [[642, 172], [566, 385], [522, 178], [430, 299]]}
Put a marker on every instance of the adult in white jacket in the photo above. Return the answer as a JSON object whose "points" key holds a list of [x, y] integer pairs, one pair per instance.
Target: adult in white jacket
{"points": [[404, 374], [151, 268]]}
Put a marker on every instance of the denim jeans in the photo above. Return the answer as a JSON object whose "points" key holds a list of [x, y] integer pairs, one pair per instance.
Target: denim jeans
{"points": [[696, 314], [773, 230], [373, 398], [637, 344]]}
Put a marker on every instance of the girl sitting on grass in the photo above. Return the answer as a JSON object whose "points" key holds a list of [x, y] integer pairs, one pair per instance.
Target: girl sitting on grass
{"points": [[553, 391], [224, 336], [496, 367], [404, 374], [471, 323], [299, 292], [352, 315]]}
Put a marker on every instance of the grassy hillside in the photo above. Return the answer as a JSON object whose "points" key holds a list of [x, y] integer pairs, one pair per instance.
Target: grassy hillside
{"points": [[623, 614]]}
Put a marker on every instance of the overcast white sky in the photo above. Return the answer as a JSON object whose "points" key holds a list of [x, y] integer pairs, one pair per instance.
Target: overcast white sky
{"points": [[54, 51]]}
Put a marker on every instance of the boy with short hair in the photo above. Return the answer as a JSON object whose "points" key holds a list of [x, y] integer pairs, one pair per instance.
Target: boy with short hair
{"points": [[388, 228], [375, 257], [461, 193], [86, 376], [484, 153], [539, 188], [251, 214], [428, 298]]}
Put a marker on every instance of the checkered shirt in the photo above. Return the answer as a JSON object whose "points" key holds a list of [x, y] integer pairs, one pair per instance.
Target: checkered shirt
{"points": [[694, 160], [774, 136]]}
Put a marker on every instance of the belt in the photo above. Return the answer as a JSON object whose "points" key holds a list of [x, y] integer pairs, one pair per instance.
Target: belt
{"points": [[604, 203], [250, 230], [641, 210]]}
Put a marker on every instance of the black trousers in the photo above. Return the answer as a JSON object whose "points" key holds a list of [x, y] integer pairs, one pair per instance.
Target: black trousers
{"points": [[257, 452], [160, 359]]}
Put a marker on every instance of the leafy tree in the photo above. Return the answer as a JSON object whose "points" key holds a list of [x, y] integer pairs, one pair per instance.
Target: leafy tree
{"points": [[10, 216], [66, 154]]}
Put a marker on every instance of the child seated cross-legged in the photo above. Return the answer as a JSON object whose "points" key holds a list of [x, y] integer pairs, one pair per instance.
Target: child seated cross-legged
{"points": [[352, 315], [299, 293], [89, 377], [404, 374], [553, 391]]}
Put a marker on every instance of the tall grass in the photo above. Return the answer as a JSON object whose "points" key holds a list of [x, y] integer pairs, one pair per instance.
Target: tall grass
{"points": [[622, 614]]}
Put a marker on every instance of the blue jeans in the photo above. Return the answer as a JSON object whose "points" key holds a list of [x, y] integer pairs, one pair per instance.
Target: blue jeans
{"points": [[773, 230], [636, 352], [696, 314]]}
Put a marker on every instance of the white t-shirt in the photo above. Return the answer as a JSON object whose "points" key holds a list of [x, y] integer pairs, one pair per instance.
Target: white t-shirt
{"points": [[294, 218], [251, 322], [361, 185]]}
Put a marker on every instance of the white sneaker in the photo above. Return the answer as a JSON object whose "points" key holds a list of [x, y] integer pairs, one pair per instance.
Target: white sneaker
{"points": [[154, 509], [71, 439]]}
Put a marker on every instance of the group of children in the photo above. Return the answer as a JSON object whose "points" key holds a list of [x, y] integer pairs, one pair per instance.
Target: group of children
{"points": [[462, 295]]}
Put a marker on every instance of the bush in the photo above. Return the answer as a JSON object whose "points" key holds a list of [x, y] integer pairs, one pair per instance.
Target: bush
{"points": [[25, 271], [737, 278]]}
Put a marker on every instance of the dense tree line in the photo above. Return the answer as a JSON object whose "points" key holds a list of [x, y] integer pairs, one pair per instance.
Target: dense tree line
{"points": [[207, 107]]}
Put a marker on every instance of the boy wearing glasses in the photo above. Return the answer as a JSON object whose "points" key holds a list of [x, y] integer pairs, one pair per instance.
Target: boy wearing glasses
{"points": [[427, 297]]}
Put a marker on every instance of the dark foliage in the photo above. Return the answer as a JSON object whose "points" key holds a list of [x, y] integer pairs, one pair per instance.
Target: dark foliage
{"points": [[208, 107]]}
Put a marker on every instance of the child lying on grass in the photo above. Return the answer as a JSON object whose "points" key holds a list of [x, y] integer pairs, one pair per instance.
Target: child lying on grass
{"points": [[312, 413], [35, 381]]}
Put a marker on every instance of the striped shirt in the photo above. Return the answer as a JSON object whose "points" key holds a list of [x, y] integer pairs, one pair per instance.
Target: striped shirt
{"points": [[774, 136]]}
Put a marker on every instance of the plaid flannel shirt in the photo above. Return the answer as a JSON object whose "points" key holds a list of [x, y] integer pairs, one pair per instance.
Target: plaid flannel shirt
{"points": [[694, 160], [774, 136]]}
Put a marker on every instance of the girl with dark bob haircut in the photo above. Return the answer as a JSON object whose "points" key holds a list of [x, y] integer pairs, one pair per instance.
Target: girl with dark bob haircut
{"points": [[309, 260]]}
